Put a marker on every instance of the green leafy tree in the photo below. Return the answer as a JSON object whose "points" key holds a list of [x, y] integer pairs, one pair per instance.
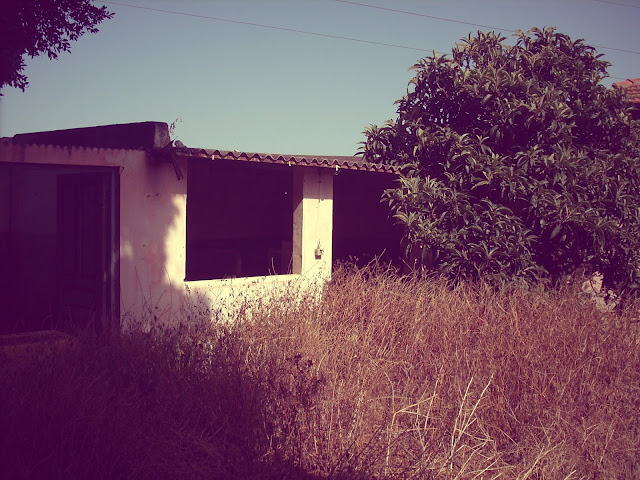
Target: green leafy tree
{"points": [[516, 163], [36, 27]]}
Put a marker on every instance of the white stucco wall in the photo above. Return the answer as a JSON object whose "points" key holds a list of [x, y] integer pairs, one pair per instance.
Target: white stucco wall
{"points": [[152, 234], [312, 221], [312, 227], [152, 240]]}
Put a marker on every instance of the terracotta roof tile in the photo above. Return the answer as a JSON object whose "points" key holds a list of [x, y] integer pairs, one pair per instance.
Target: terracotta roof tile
{"points": [[335, 162], [154, 136], [631, 88]]}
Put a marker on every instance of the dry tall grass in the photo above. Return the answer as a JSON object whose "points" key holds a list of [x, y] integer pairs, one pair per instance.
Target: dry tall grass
{"points": [[383, 378]]}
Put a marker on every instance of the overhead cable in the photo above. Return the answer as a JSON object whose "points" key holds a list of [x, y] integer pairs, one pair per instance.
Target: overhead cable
{"points": [[617, 3], [327, 35], [444, 19], [273, 27]]}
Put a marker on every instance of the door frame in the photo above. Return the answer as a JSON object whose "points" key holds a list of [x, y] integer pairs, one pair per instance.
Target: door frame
{"points": [[106, 317]]}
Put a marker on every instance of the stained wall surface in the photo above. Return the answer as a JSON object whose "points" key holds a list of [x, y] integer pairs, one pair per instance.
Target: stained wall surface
{"points": [[150, 254], [31, 284]]}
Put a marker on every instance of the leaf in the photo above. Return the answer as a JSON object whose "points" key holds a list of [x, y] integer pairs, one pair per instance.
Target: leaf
{"points": [[506, 147]]}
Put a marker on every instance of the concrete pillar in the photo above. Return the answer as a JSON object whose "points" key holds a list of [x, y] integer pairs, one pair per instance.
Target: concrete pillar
{"points": [[312, 221]]}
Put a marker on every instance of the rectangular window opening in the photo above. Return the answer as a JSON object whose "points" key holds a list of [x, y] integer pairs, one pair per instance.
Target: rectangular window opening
{"points": [[239, 220]]}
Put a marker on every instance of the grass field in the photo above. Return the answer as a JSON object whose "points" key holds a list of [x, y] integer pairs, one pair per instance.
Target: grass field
{"points": [[385, 377]]}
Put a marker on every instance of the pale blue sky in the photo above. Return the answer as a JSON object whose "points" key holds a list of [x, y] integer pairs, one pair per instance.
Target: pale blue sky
{"points": [[256, 89]]}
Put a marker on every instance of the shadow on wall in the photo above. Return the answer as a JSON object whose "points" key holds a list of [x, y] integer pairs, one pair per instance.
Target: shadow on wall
{"points": [[80, 242], [230, 224], [57, 245], [86, 242], [95, 224], [152, 230]]}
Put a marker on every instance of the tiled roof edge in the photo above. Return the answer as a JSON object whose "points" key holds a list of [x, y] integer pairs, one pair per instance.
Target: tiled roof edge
{"points": [[324, 161]]}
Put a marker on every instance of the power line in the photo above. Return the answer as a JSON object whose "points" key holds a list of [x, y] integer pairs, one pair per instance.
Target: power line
{"points": [[326, 35], [618, 3], [444, 19], [273, 27], [469, 23]]}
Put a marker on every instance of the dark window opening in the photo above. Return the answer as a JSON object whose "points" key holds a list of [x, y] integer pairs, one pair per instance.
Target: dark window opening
{"points": [[239, 220], [362, 227], [58, 229]]}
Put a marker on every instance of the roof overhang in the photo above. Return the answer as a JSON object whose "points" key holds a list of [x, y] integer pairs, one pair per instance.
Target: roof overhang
{"points": [[153, 137], [322, 161]]}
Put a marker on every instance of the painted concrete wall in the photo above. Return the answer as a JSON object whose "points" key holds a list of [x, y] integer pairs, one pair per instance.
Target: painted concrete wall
{"points": [[151, 229], [312, 221], [152, 234], [312, 224], [152, 239]]}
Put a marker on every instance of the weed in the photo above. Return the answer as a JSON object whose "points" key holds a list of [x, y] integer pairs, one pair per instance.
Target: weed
{"points": [[385, 377]]}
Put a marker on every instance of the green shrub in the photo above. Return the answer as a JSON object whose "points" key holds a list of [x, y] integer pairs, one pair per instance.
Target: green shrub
{"points": [[517, 163]]}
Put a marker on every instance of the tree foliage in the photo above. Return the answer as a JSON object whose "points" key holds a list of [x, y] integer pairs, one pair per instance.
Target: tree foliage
{"points": [[36, 27], [516, 162]]}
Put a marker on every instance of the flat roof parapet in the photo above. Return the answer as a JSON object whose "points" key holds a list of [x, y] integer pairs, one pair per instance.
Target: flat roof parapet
{"points": [[131, 136]]}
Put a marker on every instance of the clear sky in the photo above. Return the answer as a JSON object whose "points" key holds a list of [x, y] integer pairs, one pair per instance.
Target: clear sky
{"points": [[255, 89]]}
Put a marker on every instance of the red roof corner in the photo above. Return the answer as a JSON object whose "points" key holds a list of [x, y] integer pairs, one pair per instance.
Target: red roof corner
{"points": [[632, 88]]}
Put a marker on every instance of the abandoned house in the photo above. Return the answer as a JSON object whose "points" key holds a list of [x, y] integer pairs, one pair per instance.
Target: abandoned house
{"points": [[102, 225]]}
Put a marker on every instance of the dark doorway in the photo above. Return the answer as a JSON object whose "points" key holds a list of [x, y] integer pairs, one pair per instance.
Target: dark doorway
{"points": [[85, 210], [362, 228], [58, 230]]}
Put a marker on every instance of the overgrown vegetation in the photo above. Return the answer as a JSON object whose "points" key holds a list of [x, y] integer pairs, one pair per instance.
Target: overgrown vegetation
{"points": [[517, 163], [385, 378]]}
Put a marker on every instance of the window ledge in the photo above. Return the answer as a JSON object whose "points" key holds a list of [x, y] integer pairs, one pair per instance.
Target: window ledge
{"points": [[241, 281]]}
